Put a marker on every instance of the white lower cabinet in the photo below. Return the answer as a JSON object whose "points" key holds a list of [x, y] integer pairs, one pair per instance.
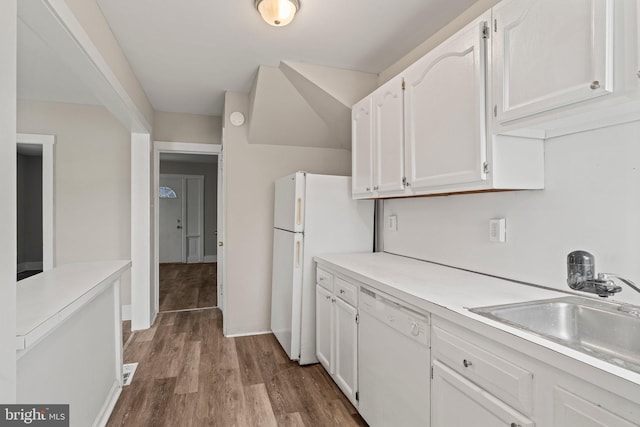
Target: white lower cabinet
{"points": [[480, 376], [570, 410], [346, 349], [337, 333], [457, 402]]}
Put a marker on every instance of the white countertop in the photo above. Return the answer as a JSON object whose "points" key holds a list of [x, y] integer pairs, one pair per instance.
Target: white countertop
{"points": [[43, 301], [448, 292]]}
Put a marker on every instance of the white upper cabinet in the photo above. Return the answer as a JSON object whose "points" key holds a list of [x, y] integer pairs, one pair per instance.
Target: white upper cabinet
{"points": [[362, 148], [388, 137], [549, 54], [445, 111]]}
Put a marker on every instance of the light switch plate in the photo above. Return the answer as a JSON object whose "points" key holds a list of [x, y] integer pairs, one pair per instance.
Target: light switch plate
{"points": [[392, 223], [498, 230]]}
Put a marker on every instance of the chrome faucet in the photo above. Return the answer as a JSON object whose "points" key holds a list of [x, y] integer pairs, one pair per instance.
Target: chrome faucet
{"points": [[581, 276]]}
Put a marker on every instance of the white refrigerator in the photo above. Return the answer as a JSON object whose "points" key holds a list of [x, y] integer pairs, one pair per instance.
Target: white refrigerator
{"points": [[313, 215]]}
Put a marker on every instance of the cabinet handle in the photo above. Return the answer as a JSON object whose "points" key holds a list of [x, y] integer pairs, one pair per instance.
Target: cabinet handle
{"points": [[333, 300], [515, 425], [328, 297], [467, 363], [368, 189], [342, 291], [595, 84], [376, 188]]}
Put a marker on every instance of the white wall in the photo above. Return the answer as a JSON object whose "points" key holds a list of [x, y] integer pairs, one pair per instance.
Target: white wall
{"points": [[181, 127], [92, 181], [210, 173], [8, 251], [447, 31], [591, 201], [250, 170]]}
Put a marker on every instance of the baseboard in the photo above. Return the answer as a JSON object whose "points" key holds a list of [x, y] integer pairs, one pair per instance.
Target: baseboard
{"points": [[29, 266], [109, 404], [126, 312], [248, 334], [211, 258]]}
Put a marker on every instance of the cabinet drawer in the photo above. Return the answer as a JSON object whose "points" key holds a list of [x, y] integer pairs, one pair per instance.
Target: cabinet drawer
{"points": [[346, 291], [508, 382], [324, 279]]}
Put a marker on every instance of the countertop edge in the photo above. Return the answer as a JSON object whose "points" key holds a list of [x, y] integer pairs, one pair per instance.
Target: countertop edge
{"points": [[31, 334]]}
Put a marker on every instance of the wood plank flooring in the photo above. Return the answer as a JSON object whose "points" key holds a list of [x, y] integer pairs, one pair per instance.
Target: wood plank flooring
{"points": [[189, 374], [188, 286]]}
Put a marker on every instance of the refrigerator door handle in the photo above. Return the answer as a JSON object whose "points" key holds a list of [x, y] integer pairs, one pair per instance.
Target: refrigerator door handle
{"points": [[298, 254], [299, 211]]}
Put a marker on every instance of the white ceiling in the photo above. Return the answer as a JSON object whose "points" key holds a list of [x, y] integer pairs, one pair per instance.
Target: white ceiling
{"points": [[187, 53]]}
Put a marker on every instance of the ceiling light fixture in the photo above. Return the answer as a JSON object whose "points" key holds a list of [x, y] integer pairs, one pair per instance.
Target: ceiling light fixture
{"points": [[277, 12]]}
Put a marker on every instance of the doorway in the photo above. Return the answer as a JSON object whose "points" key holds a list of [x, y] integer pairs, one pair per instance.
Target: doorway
{"points": [[187, 231], [34, 204]]}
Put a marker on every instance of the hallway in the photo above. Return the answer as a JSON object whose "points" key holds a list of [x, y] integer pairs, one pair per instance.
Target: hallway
{"points": [[188, 286], [190, 375]]}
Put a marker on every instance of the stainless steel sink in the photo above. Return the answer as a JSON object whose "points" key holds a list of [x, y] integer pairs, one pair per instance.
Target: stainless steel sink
{"points": [[608, 331]]}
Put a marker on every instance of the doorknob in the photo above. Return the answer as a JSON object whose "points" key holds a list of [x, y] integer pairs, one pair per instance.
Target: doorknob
{"points": [[178, 227]]}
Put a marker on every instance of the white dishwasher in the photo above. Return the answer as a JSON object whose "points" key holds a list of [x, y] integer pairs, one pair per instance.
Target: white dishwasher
{"points": [[393, 362]]}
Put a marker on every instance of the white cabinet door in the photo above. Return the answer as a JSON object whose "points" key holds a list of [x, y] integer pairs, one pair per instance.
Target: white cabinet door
{"points": [[388, 137], [346, 349], [549, 53], [362, 148], [445, 111], [570, 410], [457, 402], [324, 328]]}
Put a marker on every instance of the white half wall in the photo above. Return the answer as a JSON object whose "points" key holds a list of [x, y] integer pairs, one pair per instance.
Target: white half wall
{"points": [[8, 232], [590, 201], [249, 173]]}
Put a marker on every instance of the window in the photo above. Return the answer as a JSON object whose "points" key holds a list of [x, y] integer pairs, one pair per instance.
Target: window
{"points": [[167, 193]]}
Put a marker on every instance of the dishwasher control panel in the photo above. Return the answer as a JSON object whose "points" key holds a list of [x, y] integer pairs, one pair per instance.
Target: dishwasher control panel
{"points": [[400, 317]]}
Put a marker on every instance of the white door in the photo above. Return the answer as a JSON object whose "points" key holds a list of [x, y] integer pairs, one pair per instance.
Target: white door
{"points": [[286, 290], [346, 349], [362, 148], [388, 118], [171, 213], [445, 111], [457, 402], [324, 328], [289, 203], [533, 71]]}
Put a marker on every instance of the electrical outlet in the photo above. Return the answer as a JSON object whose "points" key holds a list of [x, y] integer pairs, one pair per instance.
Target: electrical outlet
{"points": [[497, 230]]}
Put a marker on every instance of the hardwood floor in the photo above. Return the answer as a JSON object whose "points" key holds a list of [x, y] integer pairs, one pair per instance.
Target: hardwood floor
{"points": [[189, 374], [188, 286]]}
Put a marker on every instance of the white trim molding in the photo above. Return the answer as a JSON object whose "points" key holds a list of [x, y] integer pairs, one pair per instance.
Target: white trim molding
{"points": [[168, 147]]}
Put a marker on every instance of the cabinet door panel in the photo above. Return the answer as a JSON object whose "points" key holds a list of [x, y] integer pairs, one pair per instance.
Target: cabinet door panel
{"points": [[324, 328], [389, 136], [346, 350], [362, 148], [457, 402], [550, 53], [445, 111], [571, 410]]}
